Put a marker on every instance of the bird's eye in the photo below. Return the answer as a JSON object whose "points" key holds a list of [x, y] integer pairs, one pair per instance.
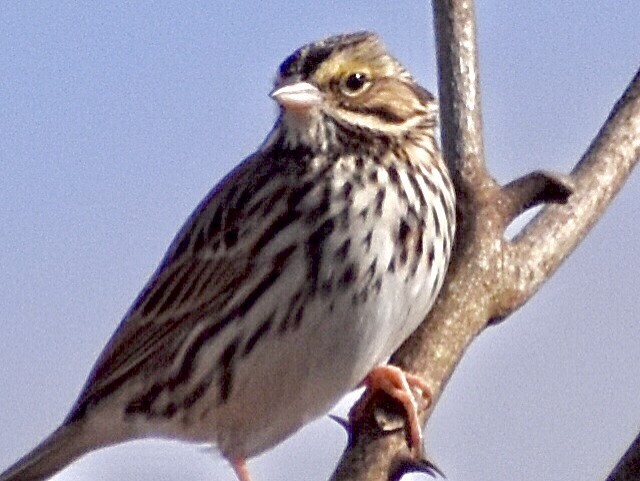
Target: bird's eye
{"points": [[355, 83]]}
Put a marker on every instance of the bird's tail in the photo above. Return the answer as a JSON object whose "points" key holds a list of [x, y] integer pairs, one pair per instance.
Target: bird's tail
{"points": [[62, 447]]}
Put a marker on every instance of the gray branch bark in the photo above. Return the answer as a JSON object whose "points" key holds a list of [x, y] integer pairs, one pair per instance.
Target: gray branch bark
{"points": [[490, 277]]}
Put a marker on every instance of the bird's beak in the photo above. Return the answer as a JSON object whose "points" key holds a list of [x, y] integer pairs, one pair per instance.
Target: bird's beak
{"points": [[299, 96]]}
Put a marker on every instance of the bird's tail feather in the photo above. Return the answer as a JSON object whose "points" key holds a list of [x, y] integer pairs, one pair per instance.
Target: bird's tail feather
{"points": [[62, 447]]}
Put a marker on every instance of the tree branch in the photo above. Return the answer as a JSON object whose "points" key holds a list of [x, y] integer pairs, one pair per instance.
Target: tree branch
{"points": [[549, 238], [490, 277], [628, 468], [539, 187]]}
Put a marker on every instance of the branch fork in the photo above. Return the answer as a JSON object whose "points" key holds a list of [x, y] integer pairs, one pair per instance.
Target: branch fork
{"points": [[490, 277]]}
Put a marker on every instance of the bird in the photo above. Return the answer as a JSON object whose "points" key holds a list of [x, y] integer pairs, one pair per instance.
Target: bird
{"points": [[292, 282]]}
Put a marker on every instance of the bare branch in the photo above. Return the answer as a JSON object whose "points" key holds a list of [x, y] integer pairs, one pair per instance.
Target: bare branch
{"points": [[628, 469], [539, 187], [542, 246], [458, 85], [490, 277]]}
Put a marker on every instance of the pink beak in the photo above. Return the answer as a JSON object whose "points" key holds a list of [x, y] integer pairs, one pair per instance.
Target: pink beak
{"points": [[297, 96]]}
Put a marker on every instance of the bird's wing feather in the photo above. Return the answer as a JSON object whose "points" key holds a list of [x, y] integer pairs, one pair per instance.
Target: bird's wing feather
{"points": [[198, 275]]}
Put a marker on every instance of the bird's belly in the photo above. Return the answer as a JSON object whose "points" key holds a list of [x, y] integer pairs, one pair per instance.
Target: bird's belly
{"points": [[314, 335], [301, 373]]}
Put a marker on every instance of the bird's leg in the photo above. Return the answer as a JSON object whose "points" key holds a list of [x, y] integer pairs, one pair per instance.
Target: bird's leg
{"points": [[396, 383], [240, 468]]}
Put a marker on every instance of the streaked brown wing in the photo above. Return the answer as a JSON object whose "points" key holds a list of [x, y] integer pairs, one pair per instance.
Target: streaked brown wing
{"points": [[197, 277]]}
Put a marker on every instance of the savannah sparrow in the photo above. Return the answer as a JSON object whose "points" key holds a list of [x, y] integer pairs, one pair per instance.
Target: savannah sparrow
{"points": [[292, 282]]}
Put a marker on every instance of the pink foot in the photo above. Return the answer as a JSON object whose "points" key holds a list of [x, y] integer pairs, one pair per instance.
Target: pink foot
{"points": [[240, 467], [396, 383]]}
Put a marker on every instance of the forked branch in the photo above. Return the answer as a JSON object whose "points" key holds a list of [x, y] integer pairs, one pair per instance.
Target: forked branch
{"points": [[490, 277]]}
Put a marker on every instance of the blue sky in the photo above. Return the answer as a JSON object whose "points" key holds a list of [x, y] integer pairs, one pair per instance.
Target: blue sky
{"points": [[116, 119]]}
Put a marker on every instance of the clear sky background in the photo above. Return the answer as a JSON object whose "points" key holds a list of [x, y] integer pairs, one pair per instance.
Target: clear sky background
{"points": [[116, 118]]}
